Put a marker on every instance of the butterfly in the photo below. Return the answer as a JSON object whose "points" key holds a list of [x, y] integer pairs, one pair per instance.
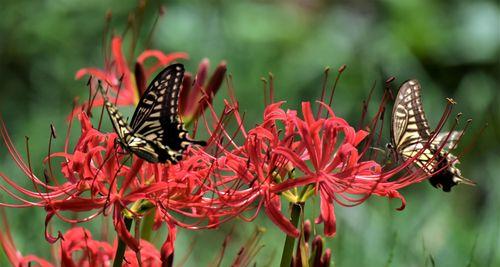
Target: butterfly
{"points": [[410, 134], [155, 133]]}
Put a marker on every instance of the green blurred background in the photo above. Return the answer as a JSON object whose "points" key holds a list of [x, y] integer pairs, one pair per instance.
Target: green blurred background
{"points": [[452, 47]]}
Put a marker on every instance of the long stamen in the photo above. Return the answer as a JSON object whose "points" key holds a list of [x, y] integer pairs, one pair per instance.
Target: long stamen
{"points": [[105, 34], [160, 14], [68, 131], [339, 73], [271, 88], [474, 141], [49, 154], [366, 103], [264, 90], [323, 90]]}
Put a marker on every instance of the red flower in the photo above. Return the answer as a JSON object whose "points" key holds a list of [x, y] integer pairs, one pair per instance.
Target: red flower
{"points": [[96, 167], [126, 86], [197, 96], [226, 179], [327, 157], [78, 248], [14, 256]]}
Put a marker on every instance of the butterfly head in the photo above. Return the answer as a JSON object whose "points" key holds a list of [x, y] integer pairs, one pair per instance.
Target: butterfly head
{"points": [[391, 153], [119, 143]]}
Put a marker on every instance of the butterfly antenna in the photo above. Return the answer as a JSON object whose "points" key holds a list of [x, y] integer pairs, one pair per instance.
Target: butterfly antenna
{"points": [[106, 101], [120, 83]]}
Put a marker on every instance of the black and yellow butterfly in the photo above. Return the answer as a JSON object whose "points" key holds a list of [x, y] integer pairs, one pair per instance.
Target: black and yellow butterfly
{"points": [[410, 134], [156, 132]]}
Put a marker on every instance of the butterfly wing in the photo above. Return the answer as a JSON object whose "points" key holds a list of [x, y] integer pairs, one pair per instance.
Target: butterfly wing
{"points": [[409, 124], [122, 129], [158, 105], [410, 129], [410, 133], [448, 140], [156, 117]]}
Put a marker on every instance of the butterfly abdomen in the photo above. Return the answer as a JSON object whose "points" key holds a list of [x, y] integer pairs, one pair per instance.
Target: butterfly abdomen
{"points": [[446, 178]]}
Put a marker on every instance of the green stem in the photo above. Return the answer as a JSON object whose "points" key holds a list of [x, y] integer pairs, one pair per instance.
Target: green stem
{"points": [[286, 257], [120, 250], [147, 226]]}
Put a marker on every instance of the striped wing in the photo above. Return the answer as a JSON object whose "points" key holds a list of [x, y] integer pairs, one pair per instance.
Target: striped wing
{"points": [[410, 130], [156, 133], [409, 124], [122, 129], [447, 139], [410, 133], [156, 116]]}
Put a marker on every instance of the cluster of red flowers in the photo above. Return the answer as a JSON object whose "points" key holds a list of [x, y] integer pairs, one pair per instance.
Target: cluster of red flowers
{"points": [[78, 248], [290, 155]]}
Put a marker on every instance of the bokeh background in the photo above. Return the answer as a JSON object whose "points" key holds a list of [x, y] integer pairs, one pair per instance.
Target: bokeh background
{"points": [[452, 47]]}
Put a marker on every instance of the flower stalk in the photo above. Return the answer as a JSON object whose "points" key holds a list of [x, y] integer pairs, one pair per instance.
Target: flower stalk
{"points": [[286, 256], [122, 246], [147, 226]]}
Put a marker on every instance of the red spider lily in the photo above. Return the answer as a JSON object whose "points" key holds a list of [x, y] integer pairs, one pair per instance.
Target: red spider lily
{"points": [[97, 180], [91, 252], [195, 97], [78, 248], [14, 256], [327, 157], [126, 86], [285, 152], [269, 154], [96, 168]]}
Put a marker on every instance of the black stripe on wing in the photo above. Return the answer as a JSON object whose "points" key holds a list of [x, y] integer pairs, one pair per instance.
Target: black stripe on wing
{"points": [[121, 127], [410, 134], [409, 124], [156, 117], [158, 104]]}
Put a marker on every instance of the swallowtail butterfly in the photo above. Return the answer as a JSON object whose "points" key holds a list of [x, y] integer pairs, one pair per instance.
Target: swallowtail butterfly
{"points": [[410, 133], [156, 132]]}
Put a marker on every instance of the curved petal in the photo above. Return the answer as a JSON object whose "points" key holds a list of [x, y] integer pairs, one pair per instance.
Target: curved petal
{"points": [[272, 209], [327, 214]]}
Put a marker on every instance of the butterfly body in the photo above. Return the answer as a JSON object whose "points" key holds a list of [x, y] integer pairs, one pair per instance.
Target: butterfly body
{"points": [[155, 133], [411, 137], [449, 176]]}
